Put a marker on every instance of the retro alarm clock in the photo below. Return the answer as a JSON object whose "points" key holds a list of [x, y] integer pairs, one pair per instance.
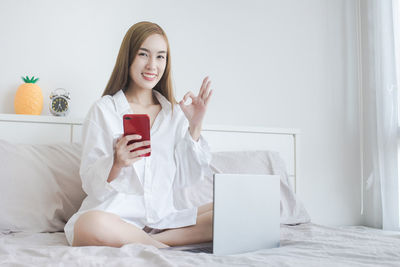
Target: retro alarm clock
{"points": [[59, 102]]}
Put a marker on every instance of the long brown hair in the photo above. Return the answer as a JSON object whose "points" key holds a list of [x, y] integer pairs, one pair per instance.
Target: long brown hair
{"points": [[131, 43]]}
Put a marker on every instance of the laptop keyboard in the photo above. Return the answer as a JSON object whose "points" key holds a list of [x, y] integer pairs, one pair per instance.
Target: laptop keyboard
{"points": [[196, 248], [200, 250]]}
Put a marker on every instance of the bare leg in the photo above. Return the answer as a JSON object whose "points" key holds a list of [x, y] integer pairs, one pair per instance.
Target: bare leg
{"points": [[204, 208], [99, 228], [198, 233]]}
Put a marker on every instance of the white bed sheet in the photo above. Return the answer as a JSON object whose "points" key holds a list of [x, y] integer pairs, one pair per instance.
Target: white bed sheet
{"points": [[301, 245]]}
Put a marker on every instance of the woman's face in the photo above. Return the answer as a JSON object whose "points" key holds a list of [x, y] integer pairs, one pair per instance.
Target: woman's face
{"points": [[149, 64]]}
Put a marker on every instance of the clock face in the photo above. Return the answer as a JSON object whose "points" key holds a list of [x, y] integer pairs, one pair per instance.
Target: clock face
{"points": [[59, 104]]}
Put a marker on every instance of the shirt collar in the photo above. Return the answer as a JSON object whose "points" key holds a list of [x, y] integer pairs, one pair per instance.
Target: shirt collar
{"points": [[122, 105], [165, 104]]}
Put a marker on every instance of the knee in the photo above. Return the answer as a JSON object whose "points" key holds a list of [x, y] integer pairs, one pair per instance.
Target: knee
{"points": [[205, 208], [210, 206], [206, 219], [91, 228]]}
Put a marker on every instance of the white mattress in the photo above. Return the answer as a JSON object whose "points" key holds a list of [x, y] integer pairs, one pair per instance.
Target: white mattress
{"points": [[301, 245]]}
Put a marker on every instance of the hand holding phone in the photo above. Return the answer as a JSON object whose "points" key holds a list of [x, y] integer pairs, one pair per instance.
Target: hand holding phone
{"points": [[124, 156], [138, 124], [134, 144]]}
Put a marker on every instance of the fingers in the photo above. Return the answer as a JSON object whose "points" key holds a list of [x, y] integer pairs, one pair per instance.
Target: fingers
{"points": [[137, 145], [207, 99], [186, 96], [205, 92], [203, 86], [134, 156], [138, 153], [126, 154], [123, 141]]}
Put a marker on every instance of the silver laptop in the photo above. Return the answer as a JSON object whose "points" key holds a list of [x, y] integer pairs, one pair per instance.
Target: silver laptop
{"points": [[246, 215]]}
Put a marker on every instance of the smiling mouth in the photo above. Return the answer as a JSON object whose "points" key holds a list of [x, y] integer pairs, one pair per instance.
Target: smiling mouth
{"points": [[149, 77]]}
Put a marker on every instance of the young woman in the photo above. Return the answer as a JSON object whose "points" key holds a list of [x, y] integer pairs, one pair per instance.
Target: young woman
{"points": [[129, 197]]}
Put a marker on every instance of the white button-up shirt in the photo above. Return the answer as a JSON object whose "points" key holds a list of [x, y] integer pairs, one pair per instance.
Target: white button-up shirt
{"points": [[143, 193]]}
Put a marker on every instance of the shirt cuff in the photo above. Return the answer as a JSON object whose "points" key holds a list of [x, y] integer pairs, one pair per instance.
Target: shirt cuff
{"points": [[202, 151], [120, 184], [200, 145]]}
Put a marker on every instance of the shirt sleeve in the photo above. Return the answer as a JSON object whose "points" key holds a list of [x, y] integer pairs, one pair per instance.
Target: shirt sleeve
{"points": [[97, 159], [192, 158]]}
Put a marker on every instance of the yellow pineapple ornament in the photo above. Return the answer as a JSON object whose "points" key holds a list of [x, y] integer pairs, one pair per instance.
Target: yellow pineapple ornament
{"points": [[29, 97]]}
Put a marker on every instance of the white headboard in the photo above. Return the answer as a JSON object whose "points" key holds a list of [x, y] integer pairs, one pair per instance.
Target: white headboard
{"points": [[238, 138], [49, 129]]}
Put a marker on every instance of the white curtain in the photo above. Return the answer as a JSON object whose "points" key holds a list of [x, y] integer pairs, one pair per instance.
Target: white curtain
{"points": [[379, 118]]}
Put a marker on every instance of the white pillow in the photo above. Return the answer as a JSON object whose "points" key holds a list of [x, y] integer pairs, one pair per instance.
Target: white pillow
{"points": [[40, 187], [241, 162]]}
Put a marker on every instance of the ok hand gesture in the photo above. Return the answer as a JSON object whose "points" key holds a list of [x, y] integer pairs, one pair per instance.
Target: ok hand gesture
{"points": [[195, 111]]}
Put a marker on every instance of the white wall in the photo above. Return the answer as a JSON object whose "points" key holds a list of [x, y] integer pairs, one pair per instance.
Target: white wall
{"points": [[282, 63]]}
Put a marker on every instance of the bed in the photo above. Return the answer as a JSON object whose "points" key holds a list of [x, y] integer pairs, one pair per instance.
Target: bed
{"points": [[40, 190]]}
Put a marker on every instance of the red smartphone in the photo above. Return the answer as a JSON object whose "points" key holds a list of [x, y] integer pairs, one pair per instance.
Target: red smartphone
{"points": [[137, 124]]}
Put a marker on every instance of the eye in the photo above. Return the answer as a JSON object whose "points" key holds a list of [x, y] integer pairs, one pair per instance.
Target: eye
{"points": [[162, 57], [142, 54]]}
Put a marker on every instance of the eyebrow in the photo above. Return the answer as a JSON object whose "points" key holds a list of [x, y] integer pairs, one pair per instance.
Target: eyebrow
{"points": [[147, 50]]}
